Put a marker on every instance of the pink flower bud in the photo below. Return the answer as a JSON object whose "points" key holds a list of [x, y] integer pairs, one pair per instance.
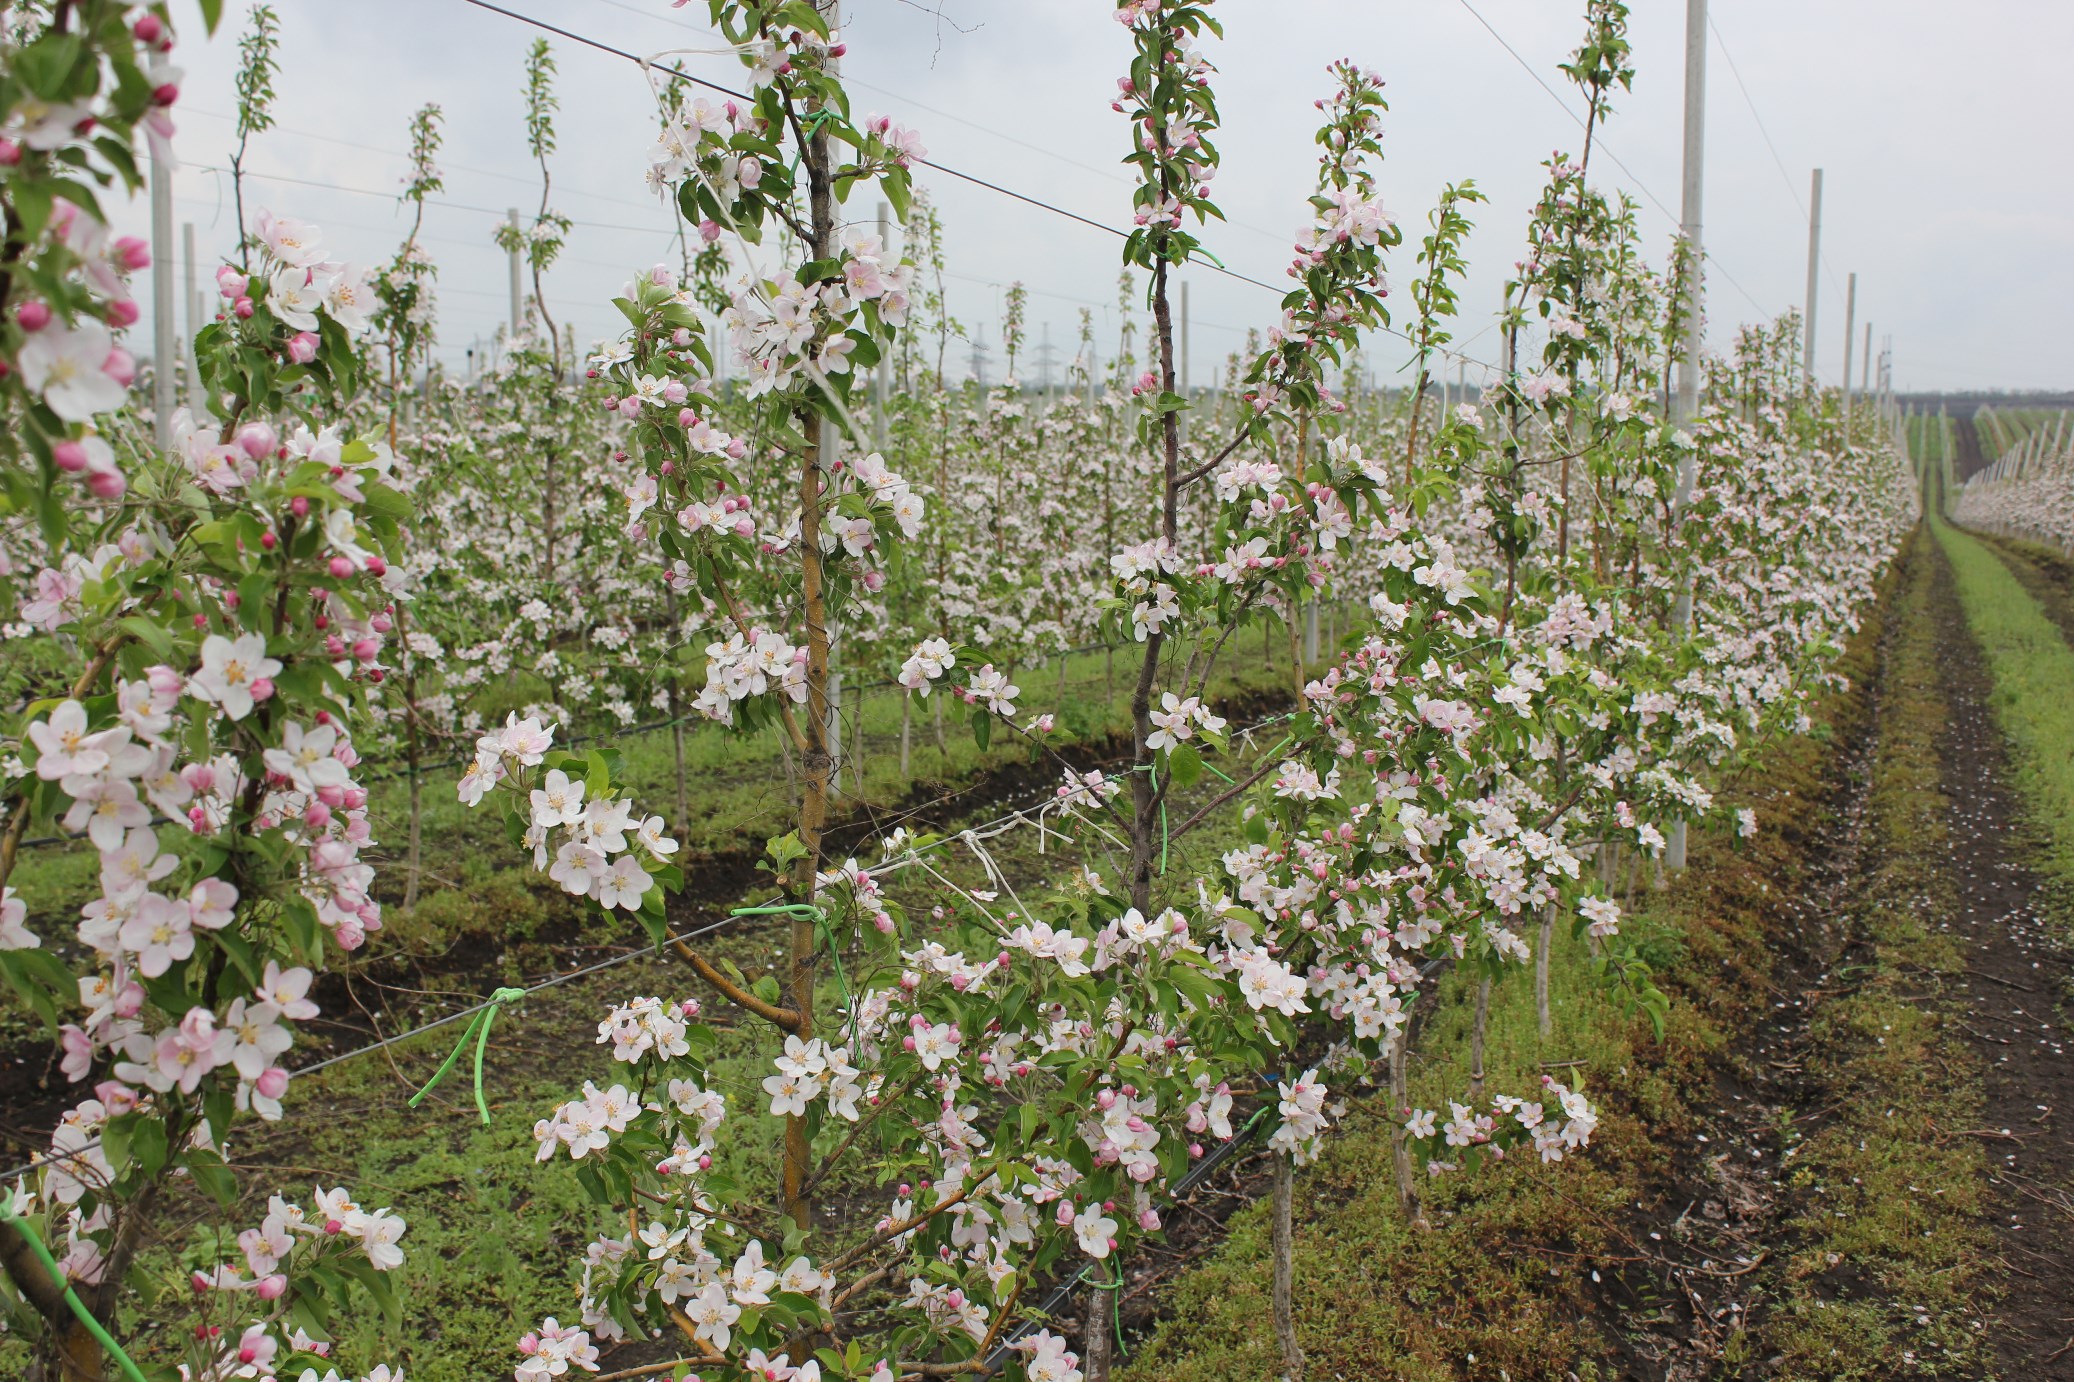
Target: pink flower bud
{"points": [[269, 541], [107, 484], [272, 1082], [367, 649], [681, 337], [257, 440], [356, 797], [874, 581], [316, 815], [117, 1097], [230, 283], [123, 312], [243, 308], [69, 456], [148, 28], [10, 153], [1065, 1213], [263, 688], [709, 231], [907, 1043], [165, 94], [302, 347], [133, 253], [334, 1227], [271, 1287], [630, 407], [33, 315], [120, 367], [299, 506], [341, 568], [529, 1343], [1106, 1099], [1148, 1219]]}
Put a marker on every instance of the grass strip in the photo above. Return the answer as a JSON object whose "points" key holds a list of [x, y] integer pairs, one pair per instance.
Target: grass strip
{"points": [[2033, 701]]}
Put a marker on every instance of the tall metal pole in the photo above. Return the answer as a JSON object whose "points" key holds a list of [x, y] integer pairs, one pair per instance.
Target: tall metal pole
{"points": [[1807, 352], [518, 292], [194, 315], [164, 326], [1865, 368], [1850, 333], [1685, 404]]}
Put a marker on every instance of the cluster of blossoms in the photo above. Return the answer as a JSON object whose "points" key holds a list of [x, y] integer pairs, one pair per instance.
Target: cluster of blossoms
{"points": [[205, 627], [300, 282], [1550, 1137], [594, 846]]}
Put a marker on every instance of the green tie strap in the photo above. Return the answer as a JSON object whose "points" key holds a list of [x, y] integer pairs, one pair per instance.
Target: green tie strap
{"points": [[808, 909], [72, 1300], [479, 1025]]}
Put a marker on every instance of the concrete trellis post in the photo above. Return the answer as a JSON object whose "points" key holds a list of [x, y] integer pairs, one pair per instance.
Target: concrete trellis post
{"points": [[1807, 353], [164, 323], [1686, 402], [1850, 330]]}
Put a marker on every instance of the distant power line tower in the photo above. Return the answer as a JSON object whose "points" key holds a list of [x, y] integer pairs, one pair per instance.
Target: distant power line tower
{"points": [[979, 357], [1045, 354]]}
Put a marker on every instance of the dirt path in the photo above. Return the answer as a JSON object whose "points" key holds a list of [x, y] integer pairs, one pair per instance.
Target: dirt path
{"points": [[1742, 1240], [2019, 973]]}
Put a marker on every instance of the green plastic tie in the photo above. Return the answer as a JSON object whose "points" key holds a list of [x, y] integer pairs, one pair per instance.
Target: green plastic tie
{"points": [[479, 1025], [1115, 1307], [72, 1300], [796, 909]]}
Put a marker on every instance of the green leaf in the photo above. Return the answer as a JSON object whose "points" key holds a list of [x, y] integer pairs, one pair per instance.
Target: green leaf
{"points": [[149, 634], [148, 1145], [767, 989], [212, 1176], [1184, 765]]}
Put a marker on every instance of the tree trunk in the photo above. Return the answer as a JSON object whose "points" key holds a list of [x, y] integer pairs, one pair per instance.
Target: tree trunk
{"points": [[1541, 1013], [1094, 1348], [817, 764], [1476, 1038], [1400, 1099], [1285, 1269], [682, 826]]}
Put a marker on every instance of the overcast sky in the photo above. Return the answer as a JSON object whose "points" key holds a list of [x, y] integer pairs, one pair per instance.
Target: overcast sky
{"points": [[1936, 133]]}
